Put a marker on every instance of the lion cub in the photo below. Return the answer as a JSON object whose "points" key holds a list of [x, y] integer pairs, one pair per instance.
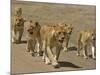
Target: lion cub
{"points": [[87, 37]]}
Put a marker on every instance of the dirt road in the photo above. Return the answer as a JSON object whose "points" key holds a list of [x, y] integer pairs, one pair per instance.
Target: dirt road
{"points": [[23, 62]]}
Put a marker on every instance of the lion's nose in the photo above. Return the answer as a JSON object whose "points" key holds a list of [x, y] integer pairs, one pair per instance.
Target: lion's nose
{"points": [[18, 24], [94, 39], [62, 38], [31, 32]]}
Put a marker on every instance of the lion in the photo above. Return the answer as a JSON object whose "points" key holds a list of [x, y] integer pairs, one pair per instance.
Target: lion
{"points": [[33, 37], [18, 25], [52, 38], [86, 38], [18, 28]]}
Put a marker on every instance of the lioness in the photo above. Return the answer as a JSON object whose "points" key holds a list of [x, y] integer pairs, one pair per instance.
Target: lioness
{"points": [[33, 37], [87, 37], [52, 37], [18, 28]]}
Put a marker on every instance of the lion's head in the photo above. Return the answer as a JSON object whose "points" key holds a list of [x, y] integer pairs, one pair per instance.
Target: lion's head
{"points": [[60, 34], [18, 11], [19, 21]]}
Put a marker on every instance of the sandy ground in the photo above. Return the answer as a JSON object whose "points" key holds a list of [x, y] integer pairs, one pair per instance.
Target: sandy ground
{"points": [[81, 17]]}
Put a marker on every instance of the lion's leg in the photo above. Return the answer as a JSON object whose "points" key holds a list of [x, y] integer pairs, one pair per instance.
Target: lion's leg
{"points": [[43, 45], [40, 52], [37, 46], [93, 52], [46, 58], [30, 46], [14, 32], [65, 45], [13, 37], [85, 51], [20, 35], [79, 47], [52, 57], [33, 43], [58, 52], [80, 44], [93, 49], [45, 54], [43, 49]]}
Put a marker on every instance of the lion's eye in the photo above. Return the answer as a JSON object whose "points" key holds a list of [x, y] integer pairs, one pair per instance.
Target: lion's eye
{"points": [[66, 25], [28, 30], [19, 19], [69, 33], [92, 34]]}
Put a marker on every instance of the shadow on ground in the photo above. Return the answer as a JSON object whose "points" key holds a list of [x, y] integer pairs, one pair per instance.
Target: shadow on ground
{"points": [[68, 64], [23, 41], [73, 48], [90, 56]]}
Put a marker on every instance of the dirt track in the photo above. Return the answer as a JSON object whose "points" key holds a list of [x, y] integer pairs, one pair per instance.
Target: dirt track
{"points": [[81, 17], [23, 62]]}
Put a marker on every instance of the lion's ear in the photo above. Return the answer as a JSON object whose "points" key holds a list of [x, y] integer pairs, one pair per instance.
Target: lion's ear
{"points": [[36, 23], [55, 34], [72, 28]]}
